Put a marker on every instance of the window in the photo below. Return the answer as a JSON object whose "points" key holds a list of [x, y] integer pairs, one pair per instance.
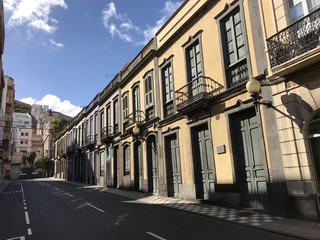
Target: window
{"points": [[148, 97], [101, 163], [125, 110], [126, 159], [167, 90], [109, 120], [27, 134], [26, 142], [136, 104], [116, 116], [301, 8], [21, 142], [194, 69], [234, 49], [22, 134], [102, 123], [95, 127]]}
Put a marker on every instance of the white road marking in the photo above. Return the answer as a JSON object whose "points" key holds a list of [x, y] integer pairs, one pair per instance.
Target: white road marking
{"points": [[29, 231], [155, 236], [78, 199], [69, 194], [27, 217], [25, 208], [94, 207], [17, 238], [56, 188]]}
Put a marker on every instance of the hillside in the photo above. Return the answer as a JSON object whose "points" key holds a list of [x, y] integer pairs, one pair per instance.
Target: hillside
{"points": [[22, 107]]}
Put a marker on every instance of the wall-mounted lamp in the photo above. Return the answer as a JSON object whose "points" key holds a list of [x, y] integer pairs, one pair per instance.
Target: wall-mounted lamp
{"points": [[253, 87], [58, 157], [136, 130], [99, 143]]}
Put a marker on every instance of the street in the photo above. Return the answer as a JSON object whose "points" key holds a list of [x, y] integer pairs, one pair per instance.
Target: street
{"points": [[40, 209]]}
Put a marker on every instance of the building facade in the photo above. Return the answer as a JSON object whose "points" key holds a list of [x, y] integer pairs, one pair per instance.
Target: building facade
{"points": [[188, 128]]}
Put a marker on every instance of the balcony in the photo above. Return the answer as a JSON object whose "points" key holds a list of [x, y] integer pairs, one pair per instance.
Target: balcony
{"points": [[135, 117], [106, 134], [296, 43], [196, 92], [89, 141]]}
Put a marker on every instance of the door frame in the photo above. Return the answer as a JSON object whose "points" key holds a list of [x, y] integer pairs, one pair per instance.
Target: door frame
{"points": [[191, 126], [165, 134], [261, 138], [233, 110], [149, 175]]}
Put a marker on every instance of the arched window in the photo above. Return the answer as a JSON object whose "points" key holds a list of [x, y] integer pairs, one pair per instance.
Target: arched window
{"points": [[126, 159]]}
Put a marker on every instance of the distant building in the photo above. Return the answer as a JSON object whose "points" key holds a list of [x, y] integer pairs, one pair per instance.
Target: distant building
{"points": [[8, 98], [22, 140]]}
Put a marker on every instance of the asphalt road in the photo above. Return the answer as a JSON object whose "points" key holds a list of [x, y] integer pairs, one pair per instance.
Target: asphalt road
{"points": [[38, 209]]}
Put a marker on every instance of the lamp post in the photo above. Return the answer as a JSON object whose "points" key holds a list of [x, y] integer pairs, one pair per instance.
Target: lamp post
{"points": [[253, 87]]}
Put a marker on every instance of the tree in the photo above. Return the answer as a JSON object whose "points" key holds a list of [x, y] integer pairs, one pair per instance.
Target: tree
{"points": [[31, 159], [47, 166], [57, 126]]}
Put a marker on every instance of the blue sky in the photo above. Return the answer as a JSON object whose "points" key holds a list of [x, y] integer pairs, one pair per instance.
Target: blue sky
{"points": [[63, 52]]}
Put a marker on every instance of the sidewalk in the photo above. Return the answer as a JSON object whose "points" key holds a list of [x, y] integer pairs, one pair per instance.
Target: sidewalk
{"points": [[287, 226]]}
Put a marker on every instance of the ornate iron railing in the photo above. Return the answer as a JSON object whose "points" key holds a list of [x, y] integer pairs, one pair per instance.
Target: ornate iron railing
{"points": [[199, 88], [107, 132], [296, 39], [137, 116], [89, 140]]}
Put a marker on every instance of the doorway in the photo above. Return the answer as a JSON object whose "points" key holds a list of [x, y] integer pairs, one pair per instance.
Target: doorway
{"points": [[138, 166], [249, 159], [203, 162], [173, 166], [152, 165]]}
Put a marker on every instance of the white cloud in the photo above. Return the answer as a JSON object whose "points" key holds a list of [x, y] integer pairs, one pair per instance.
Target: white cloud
{"points": [[33, 13], [119, 25], [55, 104], [60, 45], [28, 100]]}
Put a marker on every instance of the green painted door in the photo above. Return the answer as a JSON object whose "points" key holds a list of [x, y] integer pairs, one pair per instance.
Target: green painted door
{"points": [[203, 162], [173, 166], [250, 170], [138, 165], [152, 164]]}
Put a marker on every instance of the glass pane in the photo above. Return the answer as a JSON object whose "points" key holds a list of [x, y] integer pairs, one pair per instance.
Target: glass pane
{"points": [[231, 58], [238, 29], [313, 4], [296, 11], [241, 52], [236, 18], [230, 47], [229, 36], [228, 25], [240, 40]]}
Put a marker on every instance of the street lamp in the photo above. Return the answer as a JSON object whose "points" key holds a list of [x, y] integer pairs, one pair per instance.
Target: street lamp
{"points": [[136, 130], [253, 87]]}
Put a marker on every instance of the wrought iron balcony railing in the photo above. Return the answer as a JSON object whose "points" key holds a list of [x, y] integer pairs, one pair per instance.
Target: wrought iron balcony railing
{"points": [[107, 132], [89, 140], [137, 116], [199, 88], [296, 39]]}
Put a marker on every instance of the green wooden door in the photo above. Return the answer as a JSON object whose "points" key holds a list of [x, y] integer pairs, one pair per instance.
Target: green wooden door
{"points": [[138, 165], [251, 175], [203, 162], [152, 164], [173, 166]]}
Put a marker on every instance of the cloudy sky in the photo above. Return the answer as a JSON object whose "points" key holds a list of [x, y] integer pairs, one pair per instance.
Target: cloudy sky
{"points": [[63, 52]]}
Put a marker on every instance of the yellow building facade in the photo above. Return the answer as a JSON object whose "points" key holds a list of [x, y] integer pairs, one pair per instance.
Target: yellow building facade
{"points": [[188, 128]]}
